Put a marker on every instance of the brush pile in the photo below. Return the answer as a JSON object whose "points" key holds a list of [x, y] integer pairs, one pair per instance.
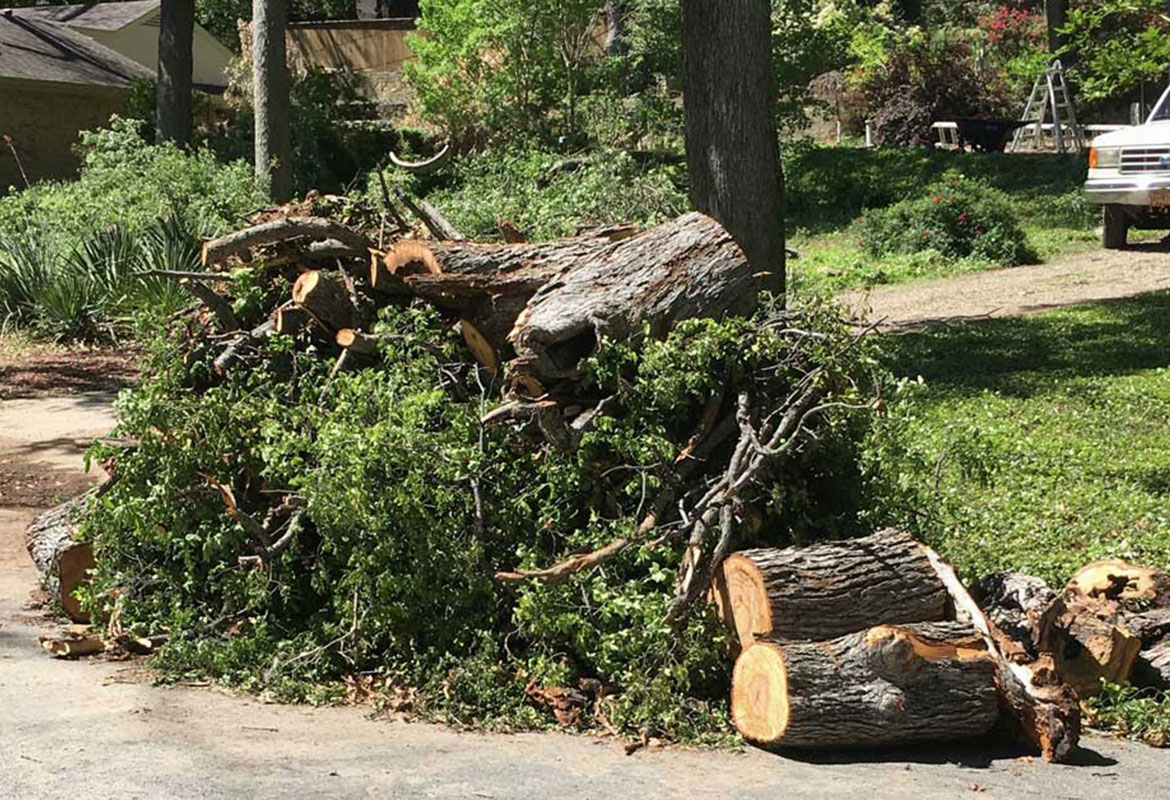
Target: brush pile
{"points": [[491, 473]]}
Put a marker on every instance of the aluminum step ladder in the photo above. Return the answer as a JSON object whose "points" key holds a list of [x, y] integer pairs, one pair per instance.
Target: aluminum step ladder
{"points": [[1050, 96]]}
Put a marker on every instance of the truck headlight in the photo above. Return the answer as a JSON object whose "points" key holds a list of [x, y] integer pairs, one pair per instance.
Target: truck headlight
{"points": [[1104, 157]]}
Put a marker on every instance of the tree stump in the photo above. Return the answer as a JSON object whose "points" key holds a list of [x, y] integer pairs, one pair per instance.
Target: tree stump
{"points": [[326, 299], [884, 686], [829, 590]]}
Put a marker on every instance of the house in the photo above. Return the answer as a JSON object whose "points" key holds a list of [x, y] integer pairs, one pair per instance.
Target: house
{"points": [[54, 82], [375, 49], [131, 28]]}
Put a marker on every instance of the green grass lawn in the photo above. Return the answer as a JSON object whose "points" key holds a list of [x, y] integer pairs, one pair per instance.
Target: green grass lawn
{"points": [[1039, 443], [830, 188]]}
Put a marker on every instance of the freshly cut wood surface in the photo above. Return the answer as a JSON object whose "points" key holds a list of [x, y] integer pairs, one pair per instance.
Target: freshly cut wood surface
{"points": [[357, 341], [1121, 582], [828, 590], [883, 686], [62, 561], [1097, 646]]}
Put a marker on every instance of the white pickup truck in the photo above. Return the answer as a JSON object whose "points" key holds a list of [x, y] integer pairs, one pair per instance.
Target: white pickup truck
{"points": [[1129, 175]]}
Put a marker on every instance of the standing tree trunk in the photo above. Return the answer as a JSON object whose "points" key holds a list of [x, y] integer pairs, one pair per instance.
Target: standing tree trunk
{"points": [[1056, 11], [733, 155], [173, 100], [270, 98]]}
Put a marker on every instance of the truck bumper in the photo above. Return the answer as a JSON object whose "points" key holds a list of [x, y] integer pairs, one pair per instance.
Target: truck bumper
{"points": [[1130, 190]]}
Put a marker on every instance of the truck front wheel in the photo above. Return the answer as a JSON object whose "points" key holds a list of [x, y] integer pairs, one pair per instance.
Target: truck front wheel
{"points": [[1116, 228]]}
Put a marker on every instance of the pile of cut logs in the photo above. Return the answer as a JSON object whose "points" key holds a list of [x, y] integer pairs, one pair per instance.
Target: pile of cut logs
{"points": [[876, 642]]}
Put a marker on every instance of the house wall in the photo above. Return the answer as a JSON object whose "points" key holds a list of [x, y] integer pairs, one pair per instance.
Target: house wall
{"points": [[44, 121], [139, 41], [375, 49]]}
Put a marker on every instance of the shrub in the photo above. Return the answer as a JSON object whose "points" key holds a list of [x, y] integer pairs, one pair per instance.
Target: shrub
{"points": [[126, 181], [547, 195], [958, 217]]}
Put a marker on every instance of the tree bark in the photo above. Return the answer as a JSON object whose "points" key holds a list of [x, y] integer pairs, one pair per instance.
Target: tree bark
{"points": [[62, 561], [1046, 712], [175, 41], [732, 150], [688, 267], [883, 686], [829, 590], [340, 240], [1056, 13], [1023, 608], [270, 98]]}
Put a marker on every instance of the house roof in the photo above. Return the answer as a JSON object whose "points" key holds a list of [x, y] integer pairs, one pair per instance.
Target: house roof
{"points": [[96, 16], [37, 50]]}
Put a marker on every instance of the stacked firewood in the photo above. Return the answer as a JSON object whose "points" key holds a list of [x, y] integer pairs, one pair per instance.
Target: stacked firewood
{"points": [[876, 642]]}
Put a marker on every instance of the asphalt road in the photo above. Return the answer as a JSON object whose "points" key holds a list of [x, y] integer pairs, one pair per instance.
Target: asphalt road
{"points": [[94, 730]]}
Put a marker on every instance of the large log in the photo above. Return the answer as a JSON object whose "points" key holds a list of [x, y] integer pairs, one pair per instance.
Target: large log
{"points": [[1025, 609], [63, 562], [829, 590], [883, 686], [688, 267]]}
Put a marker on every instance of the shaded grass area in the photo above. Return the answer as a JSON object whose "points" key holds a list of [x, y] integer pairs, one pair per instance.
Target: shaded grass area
{"points": [[1039, 443]]}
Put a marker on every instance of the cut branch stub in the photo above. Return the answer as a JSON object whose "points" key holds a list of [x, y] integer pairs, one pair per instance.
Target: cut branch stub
{"points": [[825, 591], [884, 686], [291, 319], [325, 298], [357, 342], [688, 267]]}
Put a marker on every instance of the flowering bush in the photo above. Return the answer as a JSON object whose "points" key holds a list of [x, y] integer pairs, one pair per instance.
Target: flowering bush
{"points": [[957, 217]]}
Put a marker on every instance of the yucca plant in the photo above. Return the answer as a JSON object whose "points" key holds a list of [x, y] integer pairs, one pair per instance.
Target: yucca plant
{"points": [[28, 262]]}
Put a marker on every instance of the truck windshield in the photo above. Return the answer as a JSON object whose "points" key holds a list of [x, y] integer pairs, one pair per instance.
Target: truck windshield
{"points": [[1162, 110]]}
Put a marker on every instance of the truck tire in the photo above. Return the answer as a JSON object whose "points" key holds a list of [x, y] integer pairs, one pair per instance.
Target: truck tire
{"points": [[1115, 229]]}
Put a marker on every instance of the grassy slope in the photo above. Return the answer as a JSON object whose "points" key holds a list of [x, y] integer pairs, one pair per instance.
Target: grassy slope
{"points": [[1038, 443]]}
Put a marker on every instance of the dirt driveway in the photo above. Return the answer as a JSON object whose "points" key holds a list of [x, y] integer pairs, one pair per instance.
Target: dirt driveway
{"points": [[93, 729], [1079, 278]]}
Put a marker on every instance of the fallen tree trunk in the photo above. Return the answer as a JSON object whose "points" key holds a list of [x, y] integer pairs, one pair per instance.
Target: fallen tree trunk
{"points": [[687, 267], [883, 686], [1095, 645], [1025, 609], [286, 229], [63, 562], [825, 591]]}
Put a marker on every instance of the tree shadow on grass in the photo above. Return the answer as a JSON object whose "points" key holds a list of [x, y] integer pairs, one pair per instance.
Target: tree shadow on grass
{"points": [[1024, 356]]}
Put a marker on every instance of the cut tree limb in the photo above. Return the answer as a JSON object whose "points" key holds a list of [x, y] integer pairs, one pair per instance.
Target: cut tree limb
{"points": [[224, 316], [688, 267], [286, 229], [357, 342], [436, 223], [326, 299], [291, 319], [829, 590], [1046, 711], [882, 686], [62, 561]]}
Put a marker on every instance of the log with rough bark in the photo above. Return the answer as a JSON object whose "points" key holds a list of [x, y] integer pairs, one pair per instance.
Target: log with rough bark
{"points": [[687, 267], [63, 562], [224, 316], [883, 686], [1023, 608], [829, 590], [1046, 711], [326, 299], [286, 229]]}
